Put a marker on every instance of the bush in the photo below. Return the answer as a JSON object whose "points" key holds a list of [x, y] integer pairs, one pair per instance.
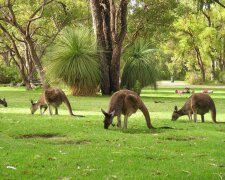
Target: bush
{"points": [[193, 77], [222, 77], [140, 69], [74, 61], [8, 74]]}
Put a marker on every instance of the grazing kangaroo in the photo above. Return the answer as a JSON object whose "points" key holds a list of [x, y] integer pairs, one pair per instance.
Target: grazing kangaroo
{"points": [[196, 104], [52, 97], [3, 102], [125, 102], [41, 103]]}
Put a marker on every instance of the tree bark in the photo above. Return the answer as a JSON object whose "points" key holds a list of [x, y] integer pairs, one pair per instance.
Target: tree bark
{"points": [[104, 62], [36, 61], [110, 25], [200, 63]]}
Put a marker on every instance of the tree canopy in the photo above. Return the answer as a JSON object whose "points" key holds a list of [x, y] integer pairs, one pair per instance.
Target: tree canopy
{"points": [[190, 35]]}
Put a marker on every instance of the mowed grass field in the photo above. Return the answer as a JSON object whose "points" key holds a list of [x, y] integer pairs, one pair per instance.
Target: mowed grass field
{"points": [[65, 147]]}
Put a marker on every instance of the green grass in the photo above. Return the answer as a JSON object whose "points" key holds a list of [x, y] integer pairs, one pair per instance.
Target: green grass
{"points": [[64, 147]]}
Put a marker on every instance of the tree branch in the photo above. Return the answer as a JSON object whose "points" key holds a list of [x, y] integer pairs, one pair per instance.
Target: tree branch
{"points": [[218, 2], [123, 19], [33, 18], [113, 19]]}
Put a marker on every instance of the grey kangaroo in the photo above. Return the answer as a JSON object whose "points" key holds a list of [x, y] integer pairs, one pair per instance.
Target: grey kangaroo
{"points": [[196, 104], [124, 102], [52, 97], [3, 102]]}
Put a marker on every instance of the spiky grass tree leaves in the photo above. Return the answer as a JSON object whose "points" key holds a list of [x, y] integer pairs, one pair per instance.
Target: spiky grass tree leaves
{"points": [[140, 67], [74, 61]]}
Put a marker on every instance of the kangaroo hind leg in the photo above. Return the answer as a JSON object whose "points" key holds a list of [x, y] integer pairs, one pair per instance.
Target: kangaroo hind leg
{"points": [[119, 121], [125, 121], [203, 118]]}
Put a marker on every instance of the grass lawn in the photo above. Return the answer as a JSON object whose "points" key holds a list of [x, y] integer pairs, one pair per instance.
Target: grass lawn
{"points": [[65, 147]]}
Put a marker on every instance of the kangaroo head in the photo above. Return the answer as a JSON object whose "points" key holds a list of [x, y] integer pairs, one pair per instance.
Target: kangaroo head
{"points": [[34, 106], [175, 114], [108, 118], [3, 102]]}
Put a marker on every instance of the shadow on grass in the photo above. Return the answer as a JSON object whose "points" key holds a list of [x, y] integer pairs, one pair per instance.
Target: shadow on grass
{"points": [[143, 131]]}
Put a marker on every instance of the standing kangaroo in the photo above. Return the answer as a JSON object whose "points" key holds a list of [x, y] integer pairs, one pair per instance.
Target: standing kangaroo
{"points": [[3, 102], [52, 97], [196, 104], [125, 102]]}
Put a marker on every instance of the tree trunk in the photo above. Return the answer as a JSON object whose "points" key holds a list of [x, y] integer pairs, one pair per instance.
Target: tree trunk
{"points": [[115, 69], [212, 69], [84, 91], [110, 27], [200, 63], [37, 62], [98, 28]]}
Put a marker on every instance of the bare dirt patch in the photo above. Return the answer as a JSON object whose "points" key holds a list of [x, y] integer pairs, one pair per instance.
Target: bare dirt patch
{"points": [[184, 138], [75, 142], [43, 135], [56, 139]]}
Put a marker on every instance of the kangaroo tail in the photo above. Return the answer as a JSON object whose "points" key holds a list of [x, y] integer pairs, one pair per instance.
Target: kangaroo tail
{"points": [[66, 101], [213, 112], [146, 114]]}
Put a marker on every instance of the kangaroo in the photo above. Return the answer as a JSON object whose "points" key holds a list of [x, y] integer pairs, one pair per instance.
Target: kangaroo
{"points": [[41, 103], [3, 102], [52, 97], [124, 102], [199, 103]]}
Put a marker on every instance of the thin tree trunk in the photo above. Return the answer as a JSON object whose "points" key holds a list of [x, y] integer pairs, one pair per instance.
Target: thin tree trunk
{"points": [[200, 63], [37, 62], [212, 69]]}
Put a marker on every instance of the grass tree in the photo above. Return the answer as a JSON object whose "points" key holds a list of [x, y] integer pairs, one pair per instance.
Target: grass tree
{"points": [[140, 67], [73, 60]]}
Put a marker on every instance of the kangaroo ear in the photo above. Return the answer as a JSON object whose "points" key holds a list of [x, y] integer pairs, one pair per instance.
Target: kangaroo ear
{"points": [[112, 113], [105, 113], [3, 99], [175, 108], [32, 102]]}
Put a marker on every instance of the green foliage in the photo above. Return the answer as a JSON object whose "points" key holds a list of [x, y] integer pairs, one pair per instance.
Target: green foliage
{"points": [[193, 77], [74, 60], [8, 74], [197, 29], [140, 66], [222, 77]]}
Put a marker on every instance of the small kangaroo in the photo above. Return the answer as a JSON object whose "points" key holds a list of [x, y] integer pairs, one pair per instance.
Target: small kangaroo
{"points": [[125, 102], [3, 102], [52, 97], [41, 103], [199, 103]]}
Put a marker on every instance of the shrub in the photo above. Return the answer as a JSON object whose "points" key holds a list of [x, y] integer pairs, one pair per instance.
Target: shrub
{"points": [[193, 77], [222, 77], [140, 67], [74, 60], [8, 74]]}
